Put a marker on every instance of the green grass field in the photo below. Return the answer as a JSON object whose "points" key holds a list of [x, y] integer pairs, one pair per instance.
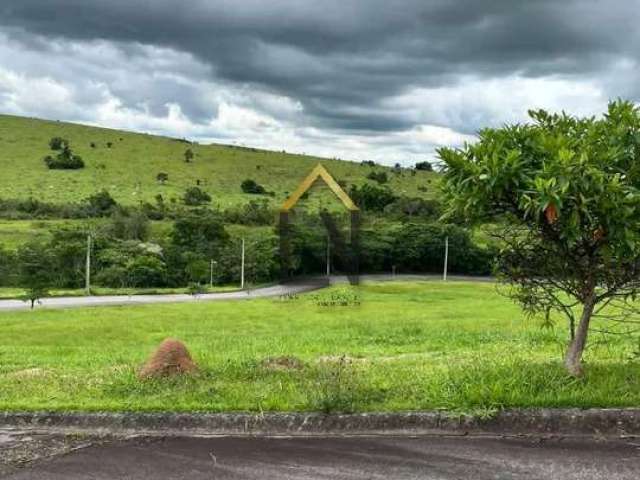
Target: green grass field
{"points": [[408, 346], [128, 169]]}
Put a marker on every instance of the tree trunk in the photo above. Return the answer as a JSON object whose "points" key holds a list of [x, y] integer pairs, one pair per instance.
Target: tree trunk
{"points": [[573, 358]]}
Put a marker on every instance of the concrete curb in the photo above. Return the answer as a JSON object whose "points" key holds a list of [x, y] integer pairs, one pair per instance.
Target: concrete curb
{"points": [[601, 422]]}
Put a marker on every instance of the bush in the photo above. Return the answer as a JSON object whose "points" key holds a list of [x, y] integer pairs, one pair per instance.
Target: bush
{"points": [[380, 177], [65, 160], [370, 197], [188, 155], [162, 178], [194, 196], [414, 207], [58, 143], [252, 187], [100, 204], [424, 166], [256, 212]]}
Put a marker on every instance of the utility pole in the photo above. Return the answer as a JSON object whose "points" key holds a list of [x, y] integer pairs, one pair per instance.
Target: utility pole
{"points": [[87, 276], [446, 258], [328, 255], [242, 267]]}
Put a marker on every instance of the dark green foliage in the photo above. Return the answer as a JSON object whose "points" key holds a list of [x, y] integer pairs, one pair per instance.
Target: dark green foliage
{"points": [[372, 198], [100, 204], [420, 248], [65, 160], [36, 266], [162, 178], [368, 163], [58, 143], [380, 177], [425, 166], [256, 212], [252, 187], [8, 267], [126, 225], [195, 196], [200, 231], [188, 155], [404, 207]]}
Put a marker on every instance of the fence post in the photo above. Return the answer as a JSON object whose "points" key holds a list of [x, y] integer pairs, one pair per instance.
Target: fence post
{"points": [[446, 258]]}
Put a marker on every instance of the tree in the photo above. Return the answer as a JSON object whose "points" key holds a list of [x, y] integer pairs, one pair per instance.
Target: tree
{"points": [[35, 266], [162, 178], [194, 196], [370, 197], [66, 159], [200, 231], [101, 204], [566, 192], [188, 155], [58, 143], [252, 187], [424, 166], [33, 295]]}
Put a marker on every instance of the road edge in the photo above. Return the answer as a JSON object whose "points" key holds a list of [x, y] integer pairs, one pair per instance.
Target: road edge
{"points": [[618, 422]]}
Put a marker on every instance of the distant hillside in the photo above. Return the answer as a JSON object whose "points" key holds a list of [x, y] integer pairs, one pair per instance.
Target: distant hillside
{"points": [[128, 168]]}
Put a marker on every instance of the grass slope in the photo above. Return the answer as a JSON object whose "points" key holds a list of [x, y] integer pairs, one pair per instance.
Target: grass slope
{"points": [[425, 345], [128, 169]]}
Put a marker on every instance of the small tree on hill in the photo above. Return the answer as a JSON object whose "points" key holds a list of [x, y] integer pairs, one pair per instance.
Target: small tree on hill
{"points": [[424, 166], [58, 143], [162, 178], [188, 155], [253, 187], [194, 196], [567, 192]]}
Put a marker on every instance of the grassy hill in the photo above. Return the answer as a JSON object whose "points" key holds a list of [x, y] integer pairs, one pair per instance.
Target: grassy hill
{"points": [[129, 167]]}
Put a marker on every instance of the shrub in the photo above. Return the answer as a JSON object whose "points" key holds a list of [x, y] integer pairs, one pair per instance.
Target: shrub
{"points": [[380, 177], [368, 163], [370, 197], [58, 143], [100, 204], [252, 187], [256, 212], [162, 178], [424, 166], [194, 196], [188, 155], [65, 160]]}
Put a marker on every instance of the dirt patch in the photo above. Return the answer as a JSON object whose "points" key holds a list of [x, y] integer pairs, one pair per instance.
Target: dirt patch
{"points": [[170, 358], [282, 363]]}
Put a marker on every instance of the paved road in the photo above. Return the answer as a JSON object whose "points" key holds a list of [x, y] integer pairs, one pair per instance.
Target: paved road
{"points": [[373, 458], [272, 291]]}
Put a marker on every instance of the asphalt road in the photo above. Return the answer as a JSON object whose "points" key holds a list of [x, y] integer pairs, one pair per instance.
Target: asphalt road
{"points": [[299, 286], [354, 458]]}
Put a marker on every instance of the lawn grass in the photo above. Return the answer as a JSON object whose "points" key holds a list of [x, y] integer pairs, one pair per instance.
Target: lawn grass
{"points": [[407, 346]]}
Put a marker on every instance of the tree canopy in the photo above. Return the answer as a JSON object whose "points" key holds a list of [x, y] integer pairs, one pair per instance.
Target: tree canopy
{"points": [[565, 193]]}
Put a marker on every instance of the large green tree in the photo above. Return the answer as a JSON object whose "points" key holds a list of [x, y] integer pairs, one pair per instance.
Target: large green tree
{"points": [[565, 193]]}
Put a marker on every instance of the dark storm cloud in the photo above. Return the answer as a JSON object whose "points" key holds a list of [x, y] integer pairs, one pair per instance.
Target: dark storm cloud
{"points": [[342, 59]]}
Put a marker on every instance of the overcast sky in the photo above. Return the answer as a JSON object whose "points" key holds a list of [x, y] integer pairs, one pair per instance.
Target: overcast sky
{"points": [[371, 79]]}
